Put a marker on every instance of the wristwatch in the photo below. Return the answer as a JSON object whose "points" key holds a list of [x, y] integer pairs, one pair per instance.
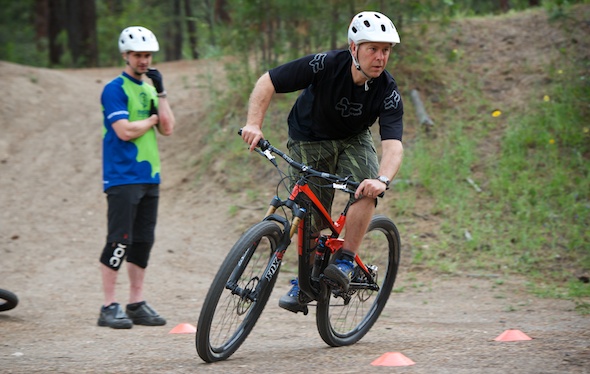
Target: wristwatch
{"points": [[383, 179]]}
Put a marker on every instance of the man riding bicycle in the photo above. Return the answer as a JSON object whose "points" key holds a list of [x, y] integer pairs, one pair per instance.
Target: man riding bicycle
{"points": [[344, 92]]}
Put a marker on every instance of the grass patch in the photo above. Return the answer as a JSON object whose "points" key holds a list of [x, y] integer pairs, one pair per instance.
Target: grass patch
{"points": [[532, 213]]}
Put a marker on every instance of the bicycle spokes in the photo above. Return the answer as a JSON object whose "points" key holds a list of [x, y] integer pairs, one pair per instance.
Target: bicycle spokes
{"points": [[239, 293], [344, 318]]}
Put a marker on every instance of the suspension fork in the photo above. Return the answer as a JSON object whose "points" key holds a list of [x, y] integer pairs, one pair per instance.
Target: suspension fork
{"points": [[276, 258], [267, 276]]}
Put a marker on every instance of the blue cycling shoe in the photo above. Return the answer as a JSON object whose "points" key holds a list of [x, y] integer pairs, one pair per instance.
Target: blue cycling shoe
{"points": [[340, 272], [290, 301]]}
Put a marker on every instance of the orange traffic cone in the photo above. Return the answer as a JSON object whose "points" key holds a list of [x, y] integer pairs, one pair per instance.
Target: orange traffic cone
{"points": [[393, 359], [512, 336], [183, 328]]}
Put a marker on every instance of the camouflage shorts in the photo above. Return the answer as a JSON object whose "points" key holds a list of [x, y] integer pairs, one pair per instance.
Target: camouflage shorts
{"points": [[355, 156]]}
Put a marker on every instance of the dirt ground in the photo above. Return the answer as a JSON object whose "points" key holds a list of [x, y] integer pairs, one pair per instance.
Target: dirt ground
{"points": [[52, 226]]}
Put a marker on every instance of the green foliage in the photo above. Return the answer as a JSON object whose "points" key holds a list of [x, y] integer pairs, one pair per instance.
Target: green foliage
{"points": [[583, 308], [17, 34], [534, 209], [550, 146], [283, 30]]}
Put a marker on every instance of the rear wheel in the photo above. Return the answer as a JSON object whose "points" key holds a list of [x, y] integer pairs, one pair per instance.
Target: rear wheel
{"points": [[235, 300], [344, 321]]}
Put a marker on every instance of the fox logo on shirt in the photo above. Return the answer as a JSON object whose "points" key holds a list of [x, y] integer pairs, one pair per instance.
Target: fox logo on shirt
{"points": [[392, 101], [317, 64], [347, 109]]}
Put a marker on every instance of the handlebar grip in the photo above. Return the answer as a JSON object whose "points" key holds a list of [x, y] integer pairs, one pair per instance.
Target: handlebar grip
{"points": [[262, 143]]}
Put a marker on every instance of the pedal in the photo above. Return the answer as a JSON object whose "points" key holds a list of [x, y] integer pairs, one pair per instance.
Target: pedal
{"points": [[336, 288], [289, 305]]}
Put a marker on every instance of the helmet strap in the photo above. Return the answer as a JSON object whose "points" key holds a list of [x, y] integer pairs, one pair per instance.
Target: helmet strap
{"points": [[357, 65]]}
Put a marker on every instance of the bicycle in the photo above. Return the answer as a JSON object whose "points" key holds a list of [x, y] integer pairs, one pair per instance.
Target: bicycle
{"points": [[244, 282], [8, 300]]}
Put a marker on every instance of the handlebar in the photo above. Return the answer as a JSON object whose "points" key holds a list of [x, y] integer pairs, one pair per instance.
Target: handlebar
{"points": [[266, 149]]}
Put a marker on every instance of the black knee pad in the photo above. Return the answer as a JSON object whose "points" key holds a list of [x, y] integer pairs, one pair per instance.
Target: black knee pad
{"points": [[113, 254], [139, 254]]}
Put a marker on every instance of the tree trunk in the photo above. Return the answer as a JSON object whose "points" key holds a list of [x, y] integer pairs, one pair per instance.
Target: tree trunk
{"points": [[89, 38], [55, 25], [115, 6], [221, 13], [421, 114], [333, 33], [209, 17], [81, 28], [192, 29], [41, 21], [504, 6], [174, 34]]}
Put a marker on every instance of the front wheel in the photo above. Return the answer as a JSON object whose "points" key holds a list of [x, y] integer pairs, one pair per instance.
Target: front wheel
{"points": [[237, 296], [343, 321]]}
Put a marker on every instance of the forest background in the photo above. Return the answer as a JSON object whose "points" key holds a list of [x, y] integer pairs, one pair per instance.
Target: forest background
{"points": [[73, 33], [507, 183]]}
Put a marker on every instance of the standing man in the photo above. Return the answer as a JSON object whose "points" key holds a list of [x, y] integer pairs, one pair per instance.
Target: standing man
{"points": [[133, 111], [344, 92]]}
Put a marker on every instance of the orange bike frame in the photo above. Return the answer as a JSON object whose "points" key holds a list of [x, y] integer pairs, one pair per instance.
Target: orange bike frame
{"points": [[333, 242]]}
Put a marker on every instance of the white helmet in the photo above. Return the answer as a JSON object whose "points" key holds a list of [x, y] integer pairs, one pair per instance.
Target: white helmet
{"points": [[138, 39], [372, 27]]}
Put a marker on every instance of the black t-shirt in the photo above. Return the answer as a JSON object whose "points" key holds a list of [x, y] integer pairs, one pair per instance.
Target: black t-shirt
{"points": [[331, 105]]}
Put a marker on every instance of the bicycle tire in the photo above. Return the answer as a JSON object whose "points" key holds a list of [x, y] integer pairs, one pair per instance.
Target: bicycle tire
{"points": [[341, 323], [8, 300], [226, 319]]}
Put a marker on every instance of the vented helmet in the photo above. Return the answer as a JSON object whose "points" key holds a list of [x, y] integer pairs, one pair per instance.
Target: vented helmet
{"points": [[372, 27], [138, 39]]}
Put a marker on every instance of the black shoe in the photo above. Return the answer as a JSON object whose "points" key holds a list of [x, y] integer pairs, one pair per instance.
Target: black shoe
{"points": [[143, 314], [113, 316], [340, 272], [290, 300]]}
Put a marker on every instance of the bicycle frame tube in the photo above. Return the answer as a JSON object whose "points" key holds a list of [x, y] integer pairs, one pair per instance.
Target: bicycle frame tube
{"points": [[304, 237], [333, 243], [272, 267], [335, 227]]}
